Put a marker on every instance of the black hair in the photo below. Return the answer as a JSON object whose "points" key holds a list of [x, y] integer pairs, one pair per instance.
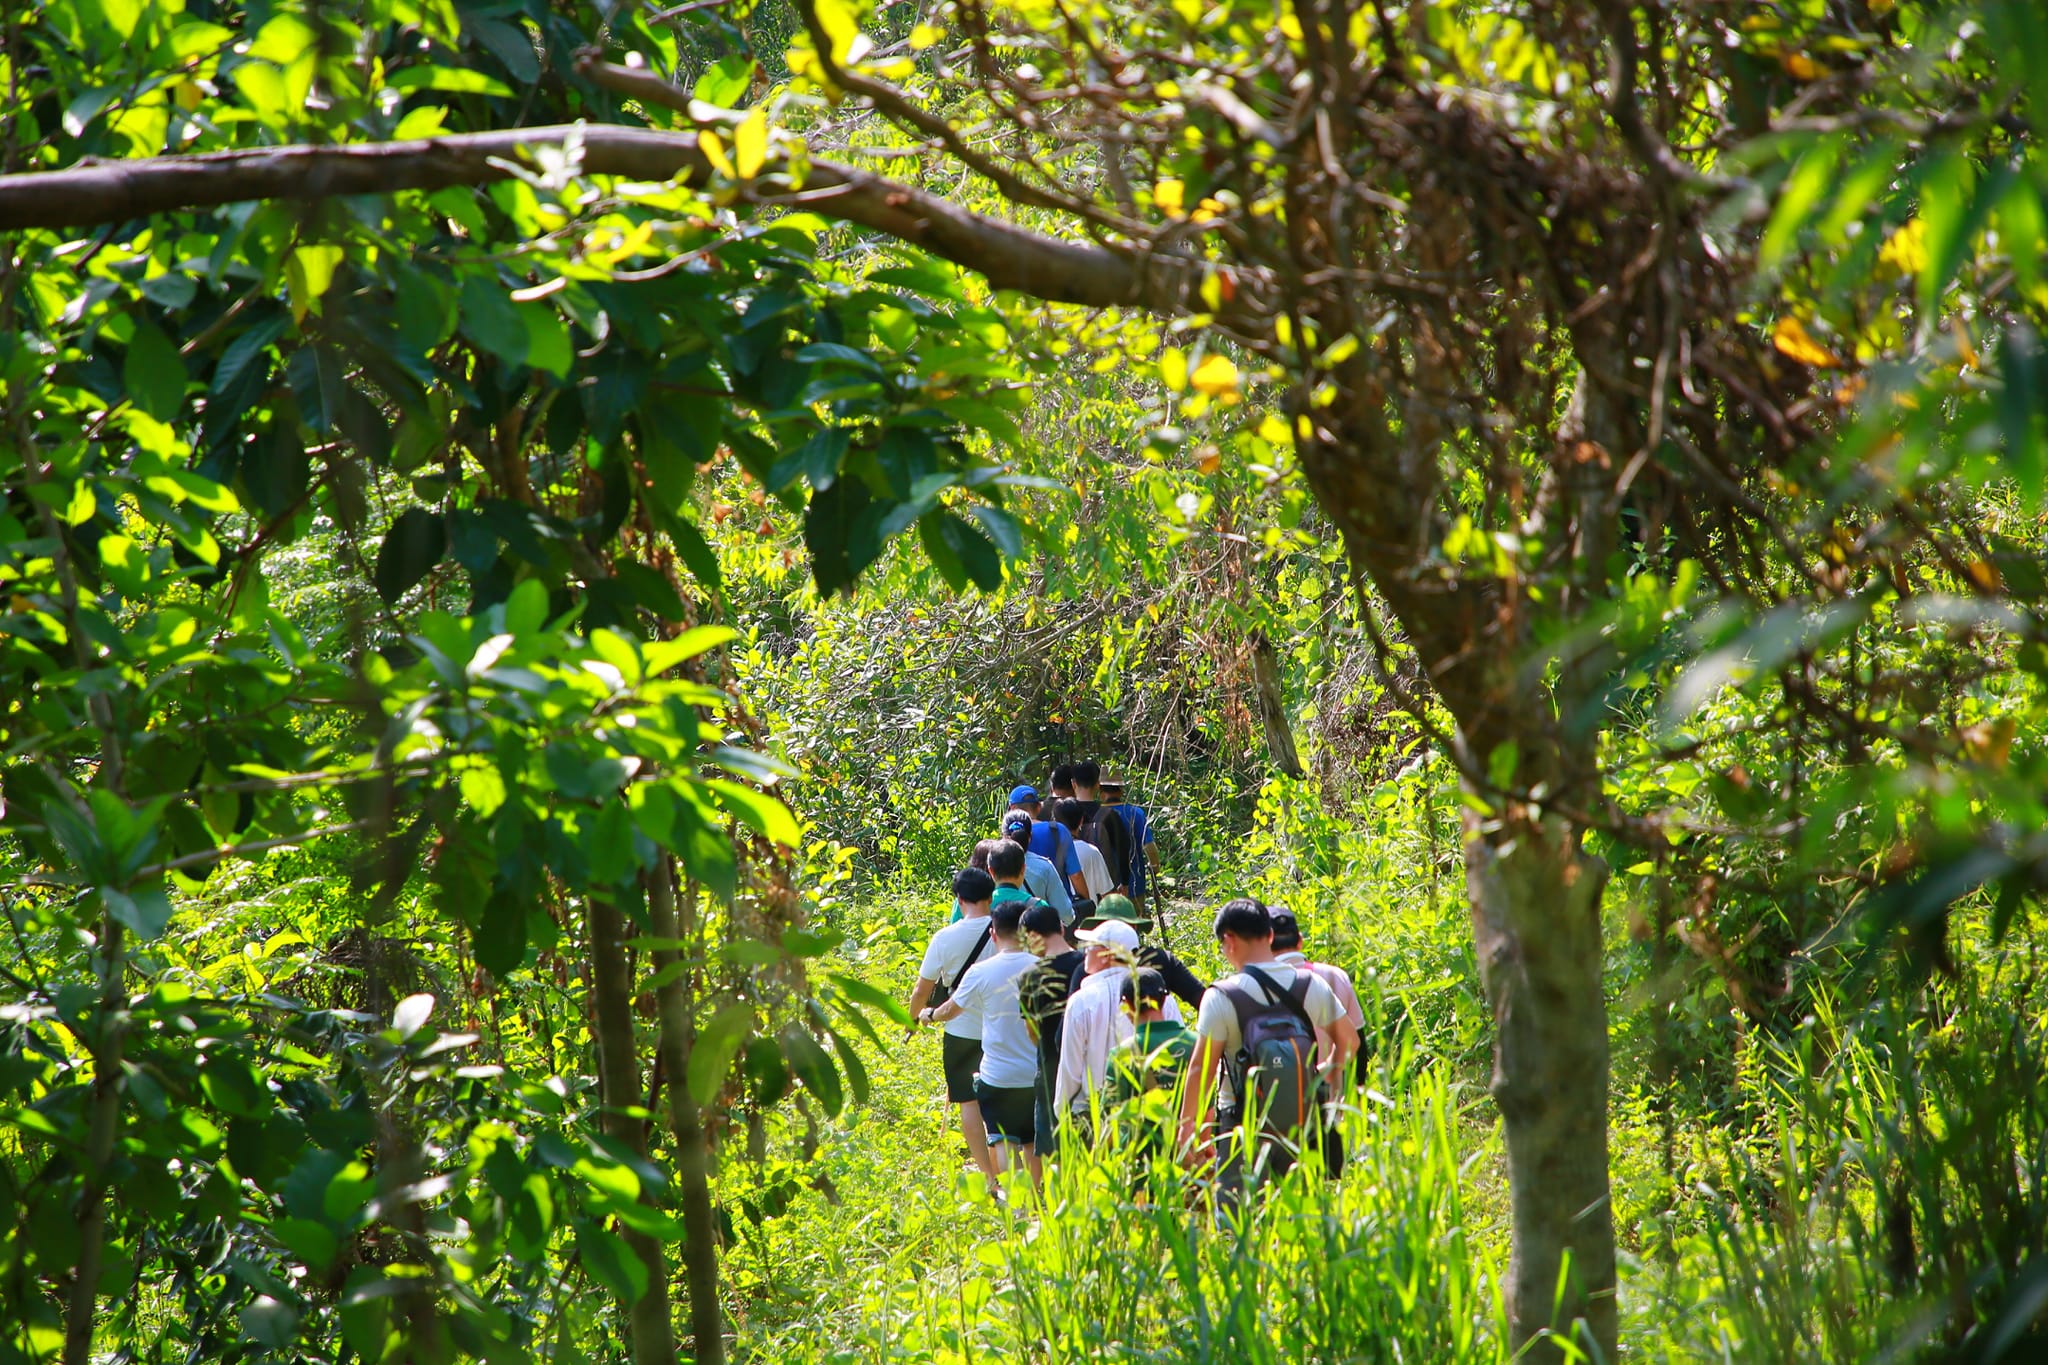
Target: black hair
{"points": [[1042, 919], [1018, 831], [1005, 916], [1145, 986], [1069, 812], [1062, 776], [1245, 918], [979, 858], [972, 886], [1006, 860], [1087, 773], [1286, 928]]}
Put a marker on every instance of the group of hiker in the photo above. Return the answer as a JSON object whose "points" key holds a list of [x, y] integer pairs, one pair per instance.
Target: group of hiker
{"points": [[1055, 1008]]}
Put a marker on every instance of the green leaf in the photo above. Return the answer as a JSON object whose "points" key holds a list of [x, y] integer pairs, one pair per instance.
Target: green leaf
{"points": [[143, 910], [608, 845], [611, 1261], [813, 1066], [412, 547], [490, 319], [499, 942], [153, 373], [857, 989], [765, 815], [456, 80], [726, 83], [849, 1061], [716, 1044]]}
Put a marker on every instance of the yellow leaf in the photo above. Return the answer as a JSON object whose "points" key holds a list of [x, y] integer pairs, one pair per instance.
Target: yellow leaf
{"points": [[1215, 376], [308, 273], [1173, 368], [1169, 195], [1906, 250], [1791, 338], [924, 36], [750, 143], [1800, 66], [714, 150]]}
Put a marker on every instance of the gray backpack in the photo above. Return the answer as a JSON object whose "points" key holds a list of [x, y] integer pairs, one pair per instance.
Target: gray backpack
{"points": [[1275, 1072]]}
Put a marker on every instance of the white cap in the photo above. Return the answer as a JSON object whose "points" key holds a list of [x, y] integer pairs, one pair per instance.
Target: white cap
{"points": [[1111, 933]]}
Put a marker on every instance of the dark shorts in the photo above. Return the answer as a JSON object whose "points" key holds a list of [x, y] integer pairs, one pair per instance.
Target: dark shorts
{"points": [[962, 1058], [1007, 1111]]}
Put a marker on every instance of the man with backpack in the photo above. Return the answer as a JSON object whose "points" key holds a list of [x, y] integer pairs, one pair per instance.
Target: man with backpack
{"points": [[1102, 826], [952, 950], [1050, 839], [1144, 871], [1260, 1026]]}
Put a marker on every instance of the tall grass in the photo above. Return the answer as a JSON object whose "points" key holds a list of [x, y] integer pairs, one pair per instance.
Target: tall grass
{"points": [[1131, 1257]]}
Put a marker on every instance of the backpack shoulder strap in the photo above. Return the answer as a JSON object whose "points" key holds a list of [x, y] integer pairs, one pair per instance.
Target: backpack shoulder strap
{"points": [[961, 975], [1295, 998]]}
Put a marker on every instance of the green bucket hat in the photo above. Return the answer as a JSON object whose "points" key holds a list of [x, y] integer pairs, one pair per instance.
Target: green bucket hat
{"points": [[1116, 907]]}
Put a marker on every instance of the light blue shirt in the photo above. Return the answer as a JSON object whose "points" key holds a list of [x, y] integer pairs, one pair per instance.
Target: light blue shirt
{"points": [[1044, 881]]}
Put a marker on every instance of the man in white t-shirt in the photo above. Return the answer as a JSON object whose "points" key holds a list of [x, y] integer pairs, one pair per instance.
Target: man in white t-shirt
{"points": [[1005, 1082], [952, 950], [1244, 934]]}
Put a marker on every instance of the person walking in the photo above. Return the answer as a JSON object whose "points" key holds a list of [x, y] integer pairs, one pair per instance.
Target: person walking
{"points": [[1184, 985], [1042, 996], [1259, 1027], [1095, 1021], [1050, 840], [1287, 949], [1102, 827], [1096, 881], [1144, 869], [1005, 1081], [952, 951], [1040, 877]]}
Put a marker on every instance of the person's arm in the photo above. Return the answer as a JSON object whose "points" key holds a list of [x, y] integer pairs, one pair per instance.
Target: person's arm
{"points": [[1073, 1039], [1183, 983], [922, 992], [941, 1013], [1344, 1040], [1198, 1097]]}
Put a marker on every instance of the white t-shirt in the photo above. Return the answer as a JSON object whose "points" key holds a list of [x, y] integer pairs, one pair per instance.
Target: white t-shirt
{"points": [[1009, 1059], [947, 953], [1094, 870], [1216, 1020]]}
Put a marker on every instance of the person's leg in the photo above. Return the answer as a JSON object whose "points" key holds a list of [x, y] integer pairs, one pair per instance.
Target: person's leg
{"points": [[1035, 1166], [976, 1133]]}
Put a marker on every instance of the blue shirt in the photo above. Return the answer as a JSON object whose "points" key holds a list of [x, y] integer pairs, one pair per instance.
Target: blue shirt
{"points": [[1044, 881], [1053, 842], [1141, 835]]}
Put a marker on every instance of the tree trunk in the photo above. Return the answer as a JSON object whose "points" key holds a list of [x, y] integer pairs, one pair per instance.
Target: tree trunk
{"points": [[693, 1157], [1536, 924], [1272, 696], [618, 1061]]}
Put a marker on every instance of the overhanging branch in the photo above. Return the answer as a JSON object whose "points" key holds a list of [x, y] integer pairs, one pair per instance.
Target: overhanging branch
{"points": [[1009, 257]]}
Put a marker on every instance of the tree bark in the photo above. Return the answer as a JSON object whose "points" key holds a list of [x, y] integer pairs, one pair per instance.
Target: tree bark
{"points": [[1272, 695], [618, 1058], [686, 1124], [1535, 899]]}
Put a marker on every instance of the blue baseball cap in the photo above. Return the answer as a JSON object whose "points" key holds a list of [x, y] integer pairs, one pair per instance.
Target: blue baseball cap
{"points": [[1021, 795]]}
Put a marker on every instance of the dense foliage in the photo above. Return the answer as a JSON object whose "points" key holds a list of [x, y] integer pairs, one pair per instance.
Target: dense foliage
{"points": [[1553, 492]]}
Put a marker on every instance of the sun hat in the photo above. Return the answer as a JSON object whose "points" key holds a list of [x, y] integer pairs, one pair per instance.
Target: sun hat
{"points": [[1116, 907]]}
